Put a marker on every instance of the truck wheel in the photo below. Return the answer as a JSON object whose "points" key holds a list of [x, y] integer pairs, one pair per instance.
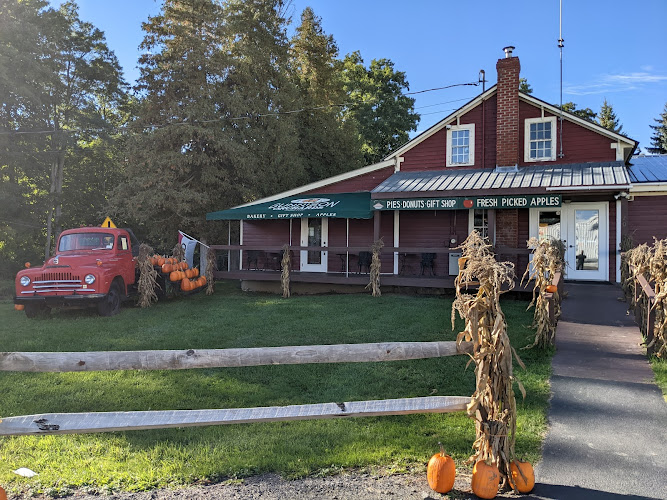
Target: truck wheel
{"points": [[36, 311], [110, 304]]}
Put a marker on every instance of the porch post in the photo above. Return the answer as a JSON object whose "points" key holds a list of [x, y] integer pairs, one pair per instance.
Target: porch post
{"points": [[347, 248], [376, 225], [491, 221], [397, 220]]}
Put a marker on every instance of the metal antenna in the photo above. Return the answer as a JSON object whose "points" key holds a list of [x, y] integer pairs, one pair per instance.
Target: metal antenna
{"points": [[560, 46]]}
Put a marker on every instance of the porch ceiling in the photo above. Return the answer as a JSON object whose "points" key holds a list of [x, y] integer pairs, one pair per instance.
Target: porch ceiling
{"points": [[538, 178]]}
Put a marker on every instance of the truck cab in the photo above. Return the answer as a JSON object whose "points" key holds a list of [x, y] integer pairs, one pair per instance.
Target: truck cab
{"points": [[91, 266]]}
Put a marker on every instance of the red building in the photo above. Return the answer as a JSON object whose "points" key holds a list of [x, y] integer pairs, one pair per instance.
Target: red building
{"points": [[506, 164]]}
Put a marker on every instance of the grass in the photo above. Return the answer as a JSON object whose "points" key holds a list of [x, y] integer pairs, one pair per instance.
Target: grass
{"points": [[660, 369], [141, 460]]}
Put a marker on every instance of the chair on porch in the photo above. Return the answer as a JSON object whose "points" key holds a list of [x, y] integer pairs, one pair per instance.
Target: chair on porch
{"points": [[428, 262], [365, 259], [253, 258]]}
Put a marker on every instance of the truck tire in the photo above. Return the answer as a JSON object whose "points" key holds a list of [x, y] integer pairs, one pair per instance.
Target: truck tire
{"points": [[110, 304], [37, 311]]}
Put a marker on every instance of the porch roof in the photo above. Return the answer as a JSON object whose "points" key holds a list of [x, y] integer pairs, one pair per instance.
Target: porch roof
{"points": [[538, 178], [339, 205]]}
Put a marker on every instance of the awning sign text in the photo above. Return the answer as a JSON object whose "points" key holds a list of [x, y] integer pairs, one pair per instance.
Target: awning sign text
{"points": [[462, 203]]}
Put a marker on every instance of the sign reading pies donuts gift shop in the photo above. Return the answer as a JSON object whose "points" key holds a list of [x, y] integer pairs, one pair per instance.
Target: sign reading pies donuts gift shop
{"points": [[463, 203]]}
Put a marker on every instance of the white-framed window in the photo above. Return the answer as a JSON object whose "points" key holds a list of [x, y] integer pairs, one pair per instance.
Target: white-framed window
{"points": [[478, 220], [540, 139], [461, 145]]}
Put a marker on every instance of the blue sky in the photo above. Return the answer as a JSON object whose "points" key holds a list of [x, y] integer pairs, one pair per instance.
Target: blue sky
{"points": [[613, 49]]}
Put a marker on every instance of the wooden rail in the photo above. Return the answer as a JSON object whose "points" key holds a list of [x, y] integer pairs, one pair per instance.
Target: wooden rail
{"points": [[225, 358], [77, 423], [80, 423]]}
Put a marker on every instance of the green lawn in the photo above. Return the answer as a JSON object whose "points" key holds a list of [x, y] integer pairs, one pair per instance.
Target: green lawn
{"points": [[142, 460]]}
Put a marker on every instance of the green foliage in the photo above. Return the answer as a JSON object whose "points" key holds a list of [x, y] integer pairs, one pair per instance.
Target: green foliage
{"points": [[586, 113], [378, 104], [608, 118], [62, 106], [524, 86], [659, 137], [142, 460], [328, 143]]}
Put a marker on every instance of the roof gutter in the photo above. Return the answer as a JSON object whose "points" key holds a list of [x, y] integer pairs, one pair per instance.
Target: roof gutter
{"points": [[590, 188]]}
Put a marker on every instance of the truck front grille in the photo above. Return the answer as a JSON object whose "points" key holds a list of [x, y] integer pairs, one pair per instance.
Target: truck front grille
{"points": [[59, 283]]}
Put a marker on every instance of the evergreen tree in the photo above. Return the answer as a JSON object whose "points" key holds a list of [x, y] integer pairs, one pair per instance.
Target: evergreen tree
{"points": [[329, 145], [214, 121], [586, 113], [524, 86], [659, 137], [608, 118], [383, 113]]}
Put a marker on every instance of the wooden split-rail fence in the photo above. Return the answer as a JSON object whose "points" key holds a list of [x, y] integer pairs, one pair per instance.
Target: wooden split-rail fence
{"points": [[79, 423], [642, 303]]}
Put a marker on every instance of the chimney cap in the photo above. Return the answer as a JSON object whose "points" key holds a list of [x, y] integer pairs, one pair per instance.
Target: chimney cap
{"points": [[508, 51]]}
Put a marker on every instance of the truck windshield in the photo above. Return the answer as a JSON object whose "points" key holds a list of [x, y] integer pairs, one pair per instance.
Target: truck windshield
{"points": [[86, 241]]}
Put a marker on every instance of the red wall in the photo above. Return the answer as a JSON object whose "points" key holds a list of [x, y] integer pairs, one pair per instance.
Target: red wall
{"points": [[580, 145], [647, 217]]}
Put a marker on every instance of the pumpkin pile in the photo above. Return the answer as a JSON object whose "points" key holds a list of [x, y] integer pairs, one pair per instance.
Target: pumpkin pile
{"points": [[178, 271]]}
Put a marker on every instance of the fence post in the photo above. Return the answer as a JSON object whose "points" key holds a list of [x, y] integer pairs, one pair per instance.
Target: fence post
{"points": [[650, 325]]}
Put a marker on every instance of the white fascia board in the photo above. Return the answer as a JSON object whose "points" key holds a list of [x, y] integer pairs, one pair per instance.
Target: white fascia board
{"points": [[645, 187], [324, 182], [579, 121], [442, 123], [589, 188]]}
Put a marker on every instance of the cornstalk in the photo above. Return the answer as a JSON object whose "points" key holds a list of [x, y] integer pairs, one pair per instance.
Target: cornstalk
{"points": [[374, 283], [284, 275], [492, 405]]}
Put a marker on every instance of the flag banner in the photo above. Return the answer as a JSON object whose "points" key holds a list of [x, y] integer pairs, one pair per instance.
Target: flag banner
{"points": [[189, 245]]}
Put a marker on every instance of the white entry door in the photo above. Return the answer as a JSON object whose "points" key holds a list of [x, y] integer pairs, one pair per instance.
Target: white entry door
{"points": [[314, 233], [583, 228]]}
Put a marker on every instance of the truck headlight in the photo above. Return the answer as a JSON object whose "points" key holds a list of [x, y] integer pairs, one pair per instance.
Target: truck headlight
{"points": [[89, 279], [25, 281]]}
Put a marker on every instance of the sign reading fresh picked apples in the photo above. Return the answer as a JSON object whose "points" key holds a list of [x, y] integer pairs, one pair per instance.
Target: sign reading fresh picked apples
{"points": [[462, 203]]}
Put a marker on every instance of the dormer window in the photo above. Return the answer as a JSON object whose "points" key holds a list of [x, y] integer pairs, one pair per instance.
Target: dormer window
{"points": [[540, 139], [461, 145]]}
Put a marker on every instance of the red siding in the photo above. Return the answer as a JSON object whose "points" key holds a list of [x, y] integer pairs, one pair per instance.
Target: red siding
{"points": [[580, 145], [647, 218], [364, 182], [270, 233]]}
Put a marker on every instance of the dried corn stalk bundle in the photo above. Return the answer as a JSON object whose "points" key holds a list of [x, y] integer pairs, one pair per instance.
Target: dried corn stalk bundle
{"points": [[178, 252], [658, 275], [548, 259], [638, 263], [374, 283], [492, 405], [285, 264], [147, 283], [211, 266]]}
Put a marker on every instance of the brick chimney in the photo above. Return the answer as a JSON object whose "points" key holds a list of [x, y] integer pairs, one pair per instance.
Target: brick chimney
{"points": [[507, 117]]}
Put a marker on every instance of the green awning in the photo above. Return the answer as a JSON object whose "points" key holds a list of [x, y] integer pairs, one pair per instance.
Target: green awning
{"points": [[339, 205]]}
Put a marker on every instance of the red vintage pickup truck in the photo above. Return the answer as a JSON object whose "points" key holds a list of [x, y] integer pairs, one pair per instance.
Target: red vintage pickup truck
{"points": [[91, 266]]}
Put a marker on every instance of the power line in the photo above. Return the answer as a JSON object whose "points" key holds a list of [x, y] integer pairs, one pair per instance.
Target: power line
{"points": [[215, 120]]}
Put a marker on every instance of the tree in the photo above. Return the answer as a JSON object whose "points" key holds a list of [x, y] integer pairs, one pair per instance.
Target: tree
{"points": [[384, 114], [213, 125], [328, 144], [524, 86], [659, 137], [608, 118], [64, 100], [586, 113]]}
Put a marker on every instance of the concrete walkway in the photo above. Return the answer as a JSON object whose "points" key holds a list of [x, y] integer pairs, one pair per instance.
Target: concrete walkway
{"points": [[607, 436]]}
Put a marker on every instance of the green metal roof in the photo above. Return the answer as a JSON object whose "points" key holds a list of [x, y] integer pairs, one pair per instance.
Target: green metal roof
{"points": [[339, 205]]}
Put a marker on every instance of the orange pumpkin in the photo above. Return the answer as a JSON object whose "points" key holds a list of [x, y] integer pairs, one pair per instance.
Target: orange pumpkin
{"points": [[523, 476], [18, 307], [182, 265], [196, 271], [203, 280], [485, 480], [186, 285], [189, 273], [167, 268], [551, 288], [441, 472], [3, 495], [175, 276]]}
